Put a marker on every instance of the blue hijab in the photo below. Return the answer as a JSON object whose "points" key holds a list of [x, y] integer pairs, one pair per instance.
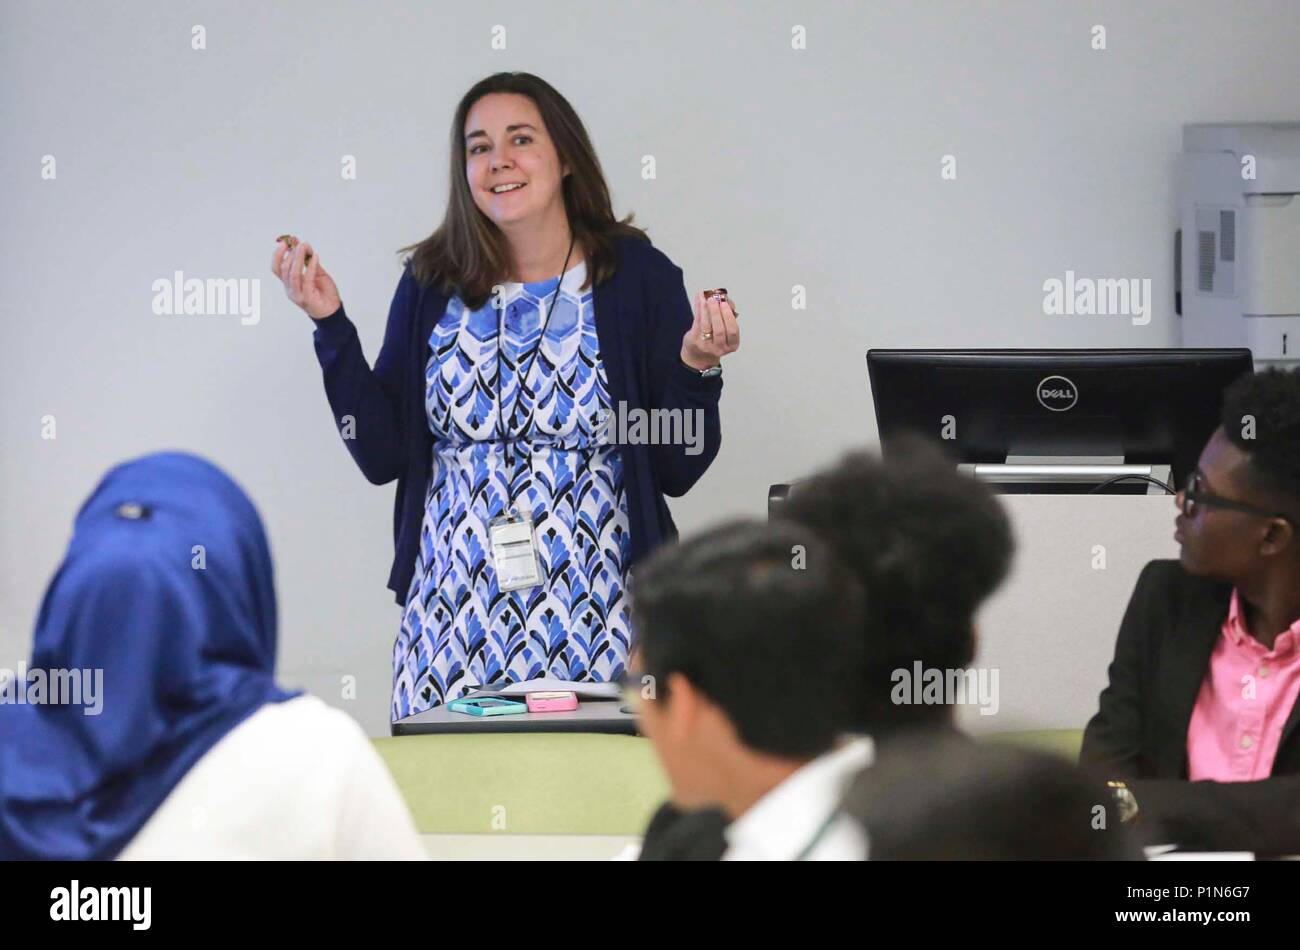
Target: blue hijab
{"points": [[167, 588]]}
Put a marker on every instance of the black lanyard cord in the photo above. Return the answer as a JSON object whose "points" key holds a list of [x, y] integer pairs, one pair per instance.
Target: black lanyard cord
{"points": [[508, 441], [824, 827]]}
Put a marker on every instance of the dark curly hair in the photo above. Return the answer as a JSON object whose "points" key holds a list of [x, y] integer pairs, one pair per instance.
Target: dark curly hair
{"points": [[1272, 400], [949, 798], [928, 544]]}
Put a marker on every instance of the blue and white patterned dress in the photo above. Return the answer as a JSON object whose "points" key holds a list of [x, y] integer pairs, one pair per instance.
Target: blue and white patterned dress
{"points": [[458, 629]]}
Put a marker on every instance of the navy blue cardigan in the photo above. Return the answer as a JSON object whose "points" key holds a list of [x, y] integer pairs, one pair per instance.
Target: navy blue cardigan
{"points": [[642, 312]]}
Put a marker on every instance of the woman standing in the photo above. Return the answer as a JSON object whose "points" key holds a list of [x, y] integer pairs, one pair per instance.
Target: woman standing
{"points": [[526, 321]]}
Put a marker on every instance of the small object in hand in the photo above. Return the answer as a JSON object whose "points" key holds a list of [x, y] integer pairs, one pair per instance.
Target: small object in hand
{"points": [[291, 242], [721, 294]]}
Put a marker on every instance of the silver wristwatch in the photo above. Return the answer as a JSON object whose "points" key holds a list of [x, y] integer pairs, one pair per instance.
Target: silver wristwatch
{"points": [[704, 373]]}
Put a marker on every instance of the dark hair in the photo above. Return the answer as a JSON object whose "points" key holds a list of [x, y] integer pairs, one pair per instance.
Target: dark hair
{"points": [[467, 254], [1272, 399], [928, 544], [945, 797], [759, 626]]}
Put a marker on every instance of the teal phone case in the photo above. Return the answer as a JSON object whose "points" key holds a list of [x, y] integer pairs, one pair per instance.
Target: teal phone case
{"points": [[510, 707]]}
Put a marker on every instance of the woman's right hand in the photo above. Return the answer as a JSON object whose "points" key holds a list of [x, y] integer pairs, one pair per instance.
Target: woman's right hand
{"points": [[309, 286]]}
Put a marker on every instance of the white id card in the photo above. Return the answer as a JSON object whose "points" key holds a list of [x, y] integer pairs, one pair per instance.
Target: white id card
{"points": [[514, 552]]}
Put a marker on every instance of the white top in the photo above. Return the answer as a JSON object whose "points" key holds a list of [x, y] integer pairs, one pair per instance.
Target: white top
{"points": [[570, 282], [781, 824], [297, 779]]}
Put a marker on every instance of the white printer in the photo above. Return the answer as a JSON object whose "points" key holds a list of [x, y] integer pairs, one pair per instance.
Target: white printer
{"points": [[1239, 253]]}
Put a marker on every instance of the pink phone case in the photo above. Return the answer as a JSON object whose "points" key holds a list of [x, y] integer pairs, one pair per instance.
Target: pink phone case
{"points": [[554, 701]]}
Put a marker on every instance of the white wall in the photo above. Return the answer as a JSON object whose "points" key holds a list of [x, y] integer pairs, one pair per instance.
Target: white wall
{"points": [[776, 167]]}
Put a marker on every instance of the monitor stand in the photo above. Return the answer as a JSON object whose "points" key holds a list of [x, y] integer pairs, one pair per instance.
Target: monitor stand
{"points": [[1064, 474]]}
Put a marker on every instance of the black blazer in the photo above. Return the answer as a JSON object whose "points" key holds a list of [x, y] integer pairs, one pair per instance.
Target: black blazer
{"points": [[1139, 734]]}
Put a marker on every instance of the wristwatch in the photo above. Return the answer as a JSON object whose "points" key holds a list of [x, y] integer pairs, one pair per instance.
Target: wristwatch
{"points": [[703, 373], [1125, 802]]}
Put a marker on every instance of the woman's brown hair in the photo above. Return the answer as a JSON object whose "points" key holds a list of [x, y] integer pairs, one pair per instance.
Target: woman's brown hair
{"points": [[468, 254]]}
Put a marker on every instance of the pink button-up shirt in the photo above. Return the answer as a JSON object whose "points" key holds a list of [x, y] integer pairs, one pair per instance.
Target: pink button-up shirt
{"points": [[1243, 704]]}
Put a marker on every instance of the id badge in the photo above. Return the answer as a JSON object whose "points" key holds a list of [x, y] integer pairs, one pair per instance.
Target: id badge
{"points": [[514, 551]]}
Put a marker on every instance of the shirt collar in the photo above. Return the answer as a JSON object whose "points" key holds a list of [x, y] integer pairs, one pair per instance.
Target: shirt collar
{"points": [[1233, 626], [783, 822], [1236, 630]]}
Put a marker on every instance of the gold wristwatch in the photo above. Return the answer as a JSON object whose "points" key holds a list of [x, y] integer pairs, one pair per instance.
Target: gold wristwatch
{"points": [[1125, 802]]}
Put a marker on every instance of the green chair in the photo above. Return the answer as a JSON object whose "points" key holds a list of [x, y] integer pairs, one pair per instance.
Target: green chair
{"points": [[535, 783], [1063, 742]]}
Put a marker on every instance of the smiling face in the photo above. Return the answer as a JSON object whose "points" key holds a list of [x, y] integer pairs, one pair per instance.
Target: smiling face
{"points": [[506, 142]]}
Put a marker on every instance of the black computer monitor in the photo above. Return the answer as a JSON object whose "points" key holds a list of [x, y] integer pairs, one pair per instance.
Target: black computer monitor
{"points": [[985, 407]]}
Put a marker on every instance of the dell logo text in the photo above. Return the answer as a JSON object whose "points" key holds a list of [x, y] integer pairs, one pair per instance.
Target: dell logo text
{"points": [[1057, 393]]}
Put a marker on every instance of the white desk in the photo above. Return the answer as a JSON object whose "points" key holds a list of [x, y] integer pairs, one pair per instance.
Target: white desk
{"points": [[504, 847]]}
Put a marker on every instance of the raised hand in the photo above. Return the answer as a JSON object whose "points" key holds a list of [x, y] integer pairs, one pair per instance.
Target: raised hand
{"points": [[306, 283], [714, 333]]}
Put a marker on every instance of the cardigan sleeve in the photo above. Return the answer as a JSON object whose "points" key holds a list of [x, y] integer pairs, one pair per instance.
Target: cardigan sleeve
{"points": [[368, 403], [673, 385]]}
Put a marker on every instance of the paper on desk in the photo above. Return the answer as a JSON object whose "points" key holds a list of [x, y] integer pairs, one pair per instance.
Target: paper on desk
{"points": [[546, 683]]}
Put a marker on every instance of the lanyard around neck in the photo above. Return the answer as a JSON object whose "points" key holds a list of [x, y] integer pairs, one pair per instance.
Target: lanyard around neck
{"points": [[816, 838], [508, 441]]}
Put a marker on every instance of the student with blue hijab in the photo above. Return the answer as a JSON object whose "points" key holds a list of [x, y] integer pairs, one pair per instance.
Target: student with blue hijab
{"points": [[193, 751]]}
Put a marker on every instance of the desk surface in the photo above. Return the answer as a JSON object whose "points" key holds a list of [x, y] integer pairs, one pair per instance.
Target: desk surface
{"points": [[511, 847], [592, 715], [508, 847]]}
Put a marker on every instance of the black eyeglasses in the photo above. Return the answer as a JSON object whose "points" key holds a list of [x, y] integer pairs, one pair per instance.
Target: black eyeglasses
{"points": [[1194, 494], [630, 691]]}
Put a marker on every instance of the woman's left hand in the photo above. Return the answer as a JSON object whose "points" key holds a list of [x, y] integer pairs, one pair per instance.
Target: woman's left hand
{"points": [[713, 335]]}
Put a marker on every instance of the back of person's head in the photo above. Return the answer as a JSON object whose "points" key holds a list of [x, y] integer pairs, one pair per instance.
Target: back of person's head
{"points": [[928, 544], [160, 626], [938, 797], [747, 628]]}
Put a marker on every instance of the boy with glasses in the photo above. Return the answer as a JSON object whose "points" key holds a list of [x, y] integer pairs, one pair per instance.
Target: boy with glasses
{"points": [[1197, 729]]}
